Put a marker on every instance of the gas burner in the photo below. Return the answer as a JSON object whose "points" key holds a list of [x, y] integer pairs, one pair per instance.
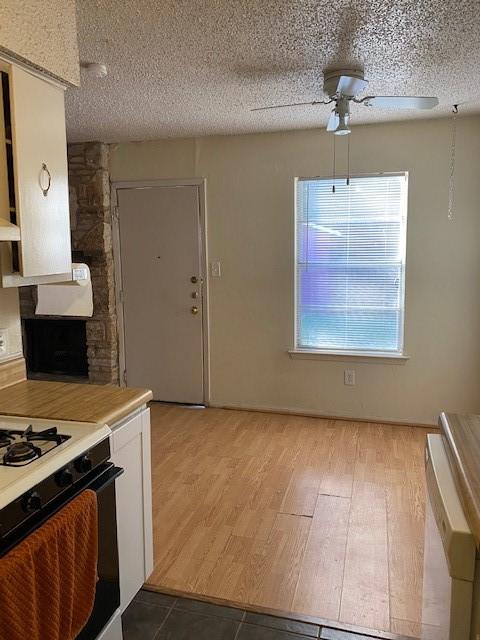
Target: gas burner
{"points": [[21, 449], [19, 452], [5, 438], [49, 435]]}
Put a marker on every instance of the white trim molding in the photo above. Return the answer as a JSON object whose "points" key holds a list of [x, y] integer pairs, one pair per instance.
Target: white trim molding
{"points": [[310, 413], [373, 357]]}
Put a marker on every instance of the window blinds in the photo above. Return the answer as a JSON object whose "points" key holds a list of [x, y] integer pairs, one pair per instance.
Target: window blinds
{"points": [[350, 263]]}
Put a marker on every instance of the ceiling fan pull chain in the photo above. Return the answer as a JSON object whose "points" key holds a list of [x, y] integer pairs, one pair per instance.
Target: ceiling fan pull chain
{"points": [[307, 248], [334, 163], [348, 161], [451, 181]]}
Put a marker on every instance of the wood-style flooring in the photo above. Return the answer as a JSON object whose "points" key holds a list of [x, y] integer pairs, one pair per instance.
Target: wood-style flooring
{"points": [[308, 515]]}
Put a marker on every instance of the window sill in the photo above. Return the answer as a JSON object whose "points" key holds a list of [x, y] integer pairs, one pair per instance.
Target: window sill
{"points": [[347, 356]]}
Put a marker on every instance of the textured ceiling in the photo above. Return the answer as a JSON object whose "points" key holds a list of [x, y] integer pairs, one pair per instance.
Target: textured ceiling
{"points": [[42, 33], [197, 67]]}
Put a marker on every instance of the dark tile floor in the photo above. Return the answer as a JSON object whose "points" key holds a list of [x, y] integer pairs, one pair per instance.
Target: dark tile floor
{"points": [[155, 616]]}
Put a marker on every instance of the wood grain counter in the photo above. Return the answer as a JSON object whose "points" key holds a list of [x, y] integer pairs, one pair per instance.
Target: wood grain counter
{"points": [[68, 401], [461, 434]]}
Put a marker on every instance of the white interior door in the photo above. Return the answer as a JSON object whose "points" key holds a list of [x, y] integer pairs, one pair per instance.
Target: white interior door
{"points": [[161, 271]]}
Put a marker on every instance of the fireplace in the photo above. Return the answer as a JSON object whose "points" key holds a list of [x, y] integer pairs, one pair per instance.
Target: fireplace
{"points": [[56, 349]]}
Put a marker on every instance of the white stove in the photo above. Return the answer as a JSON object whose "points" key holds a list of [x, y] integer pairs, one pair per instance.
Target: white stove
{"points": [[34, 449], [44, 465]]}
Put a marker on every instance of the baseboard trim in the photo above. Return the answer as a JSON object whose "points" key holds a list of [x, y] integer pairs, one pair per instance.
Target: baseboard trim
{"points": [[326, 416]]}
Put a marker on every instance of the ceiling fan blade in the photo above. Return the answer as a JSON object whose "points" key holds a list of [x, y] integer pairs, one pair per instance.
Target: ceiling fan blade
{"points": [[333, 121], [350, 86], [294, 104], [400, 102]]}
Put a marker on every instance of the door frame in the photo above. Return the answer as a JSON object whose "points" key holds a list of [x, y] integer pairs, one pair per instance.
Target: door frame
{"points": [[200, 183]]}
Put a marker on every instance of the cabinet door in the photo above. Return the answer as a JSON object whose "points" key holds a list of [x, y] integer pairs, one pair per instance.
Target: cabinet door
{"points": [[131, 451], [39, 140]]}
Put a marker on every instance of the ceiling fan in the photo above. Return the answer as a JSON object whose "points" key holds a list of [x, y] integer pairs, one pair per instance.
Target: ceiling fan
{"points": [[342, 87]]}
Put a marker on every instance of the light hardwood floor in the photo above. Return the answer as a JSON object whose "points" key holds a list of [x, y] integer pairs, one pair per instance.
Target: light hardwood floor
{"points": [[308, 515]]}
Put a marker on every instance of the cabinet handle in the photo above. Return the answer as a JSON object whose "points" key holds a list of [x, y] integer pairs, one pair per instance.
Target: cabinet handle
{"points": [[45, 170]]}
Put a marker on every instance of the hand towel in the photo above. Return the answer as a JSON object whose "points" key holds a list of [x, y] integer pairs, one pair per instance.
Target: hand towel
{"points": [[48, 581]]}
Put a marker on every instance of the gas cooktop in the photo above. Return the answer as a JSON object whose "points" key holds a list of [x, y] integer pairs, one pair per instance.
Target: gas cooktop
{"points": [[33, 449], [21, 447]]}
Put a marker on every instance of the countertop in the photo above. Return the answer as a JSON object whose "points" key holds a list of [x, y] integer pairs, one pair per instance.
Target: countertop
{"points": [[461, 435], [68, 401]]}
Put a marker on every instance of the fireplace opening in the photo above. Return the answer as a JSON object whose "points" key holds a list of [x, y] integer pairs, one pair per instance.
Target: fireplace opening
{"points": [[56, 349]]}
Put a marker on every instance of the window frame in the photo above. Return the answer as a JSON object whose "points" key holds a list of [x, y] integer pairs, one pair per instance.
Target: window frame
{"points": [[323, 353]]}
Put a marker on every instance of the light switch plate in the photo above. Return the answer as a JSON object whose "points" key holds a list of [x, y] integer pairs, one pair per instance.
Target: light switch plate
{"points": [[349, 377], [3, 342], [215, 269]]}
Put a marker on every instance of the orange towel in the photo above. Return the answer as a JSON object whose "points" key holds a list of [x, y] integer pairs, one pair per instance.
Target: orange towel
{"points": [[48, 581]]}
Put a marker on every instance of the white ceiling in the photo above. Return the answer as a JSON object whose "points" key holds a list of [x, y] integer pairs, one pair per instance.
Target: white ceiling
{"points": [[197, 67]]}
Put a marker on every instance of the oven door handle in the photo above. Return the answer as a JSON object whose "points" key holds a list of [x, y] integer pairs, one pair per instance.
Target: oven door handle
{"points": [[105, 479], [105, 476]]}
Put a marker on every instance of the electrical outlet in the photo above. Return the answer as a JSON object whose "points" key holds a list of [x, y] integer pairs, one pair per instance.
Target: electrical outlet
{"points": [[3, 342], [215, 269], [349, 377]]}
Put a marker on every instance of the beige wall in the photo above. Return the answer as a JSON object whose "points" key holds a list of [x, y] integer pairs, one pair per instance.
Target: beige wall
{"points": [[44, 33], [10, 319], [250, 181]]}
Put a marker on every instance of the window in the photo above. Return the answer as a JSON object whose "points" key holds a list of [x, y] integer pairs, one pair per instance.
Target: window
{"points": [[350, 264]]}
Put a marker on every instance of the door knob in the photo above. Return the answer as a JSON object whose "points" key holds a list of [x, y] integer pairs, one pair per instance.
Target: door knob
{"points": [[194, 310]]}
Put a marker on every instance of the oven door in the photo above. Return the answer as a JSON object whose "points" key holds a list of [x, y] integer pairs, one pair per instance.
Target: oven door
{"points": [[107, 597]]}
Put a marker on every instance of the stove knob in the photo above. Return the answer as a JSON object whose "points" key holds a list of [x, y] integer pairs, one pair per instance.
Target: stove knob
{"points": [[83, 464], [32, 502], [64, 478]]}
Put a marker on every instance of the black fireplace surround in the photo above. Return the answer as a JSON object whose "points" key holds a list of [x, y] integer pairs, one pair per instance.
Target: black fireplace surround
{"points": [[56, 347]]}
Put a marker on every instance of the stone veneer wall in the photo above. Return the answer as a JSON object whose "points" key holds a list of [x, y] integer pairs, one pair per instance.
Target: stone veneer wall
{"points": [[90, 218]]}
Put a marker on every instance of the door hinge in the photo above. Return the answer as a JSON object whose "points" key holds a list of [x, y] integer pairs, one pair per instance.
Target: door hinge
{"points": [[115, 212], [124, 376], [121, 296]]}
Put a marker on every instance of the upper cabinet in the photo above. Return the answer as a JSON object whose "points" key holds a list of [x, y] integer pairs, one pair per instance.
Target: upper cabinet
{"points": [[34, 180]]}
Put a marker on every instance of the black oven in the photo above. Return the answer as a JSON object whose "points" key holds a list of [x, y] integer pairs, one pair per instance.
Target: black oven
{"points": [[107, 596], [92, 470]]}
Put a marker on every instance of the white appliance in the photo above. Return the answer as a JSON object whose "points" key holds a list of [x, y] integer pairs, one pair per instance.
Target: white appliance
{"points": [[449, 557], [16, 479], [44, 464]]}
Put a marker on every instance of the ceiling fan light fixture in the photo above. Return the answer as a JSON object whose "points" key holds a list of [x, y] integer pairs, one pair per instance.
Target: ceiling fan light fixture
{"points": [[343, 128], [342, 87]]}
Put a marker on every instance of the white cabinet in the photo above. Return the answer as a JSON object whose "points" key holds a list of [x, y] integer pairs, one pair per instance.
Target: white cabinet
{"points": [[36, 179], [131, 451]]}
